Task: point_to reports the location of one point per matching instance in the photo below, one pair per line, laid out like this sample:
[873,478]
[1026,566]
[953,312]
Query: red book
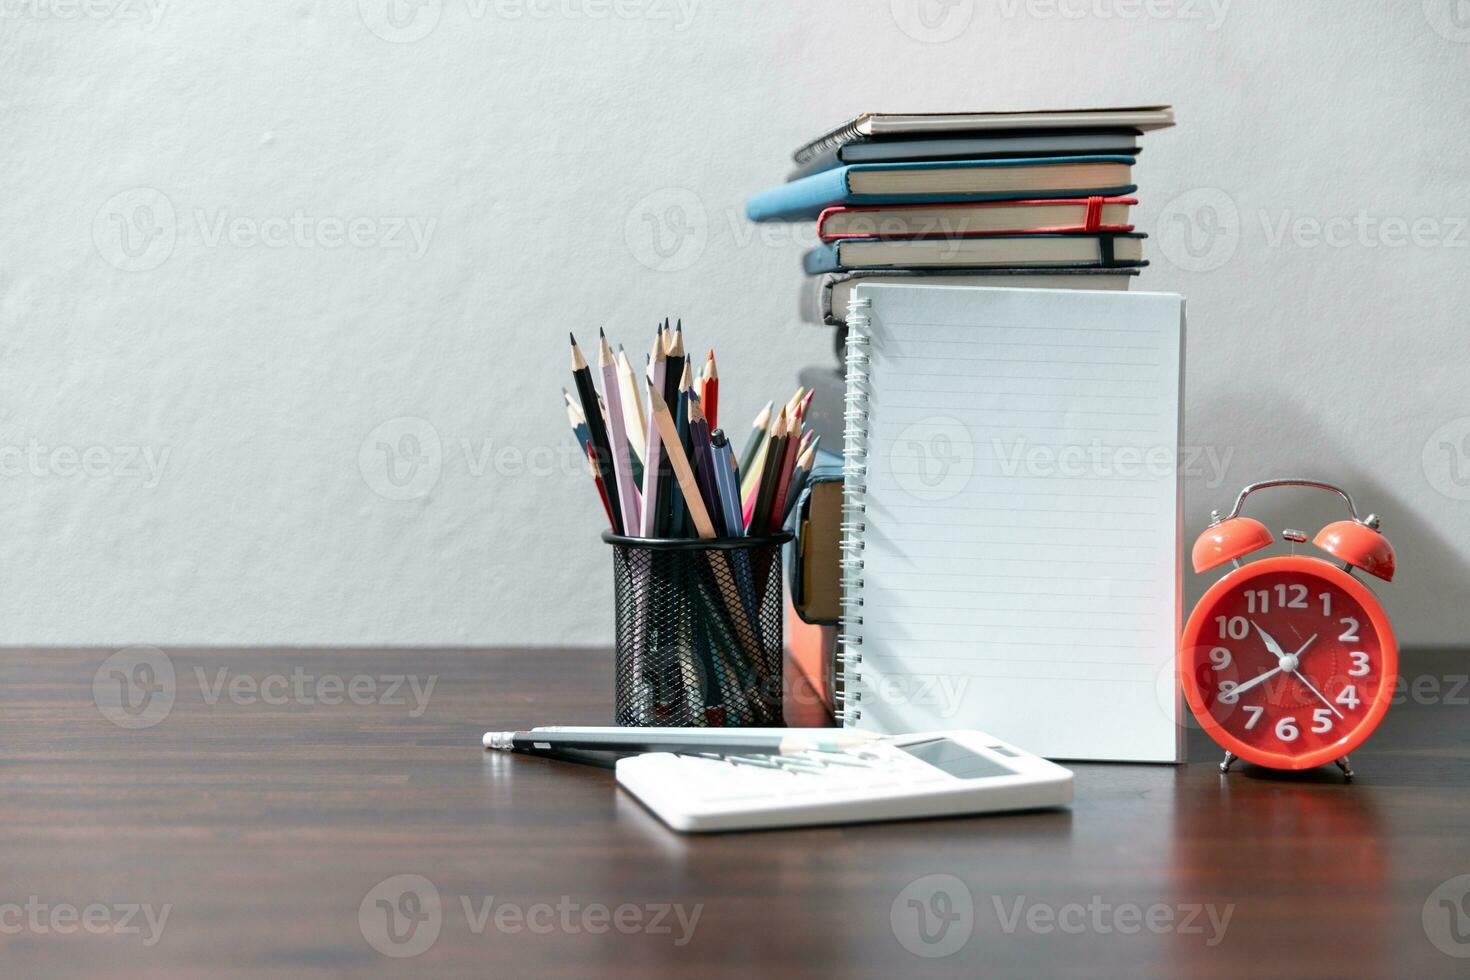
[1078,214]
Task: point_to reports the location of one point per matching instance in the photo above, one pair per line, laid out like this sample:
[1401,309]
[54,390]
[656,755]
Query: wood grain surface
[269,799]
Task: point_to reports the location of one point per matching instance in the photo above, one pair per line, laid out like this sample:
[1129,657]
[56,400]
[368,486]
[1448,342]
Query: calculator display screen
[955,759]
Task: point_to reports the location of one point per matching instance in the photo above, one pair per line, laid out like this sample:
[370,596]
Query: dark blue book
[944,181]
[1088,251]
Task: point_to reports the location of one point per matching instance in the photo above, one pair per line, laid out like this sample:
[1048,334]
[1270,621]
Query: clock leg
[1346,767]
[1227,762]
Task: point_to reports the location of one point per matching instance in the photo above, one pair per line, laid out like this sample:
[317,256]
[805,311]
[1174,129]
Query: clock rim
[1302,564]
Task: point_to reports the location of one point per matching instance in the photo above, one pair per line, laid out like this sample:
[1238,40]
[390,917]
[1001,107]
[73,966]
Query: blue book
[944,181]
[1102,250]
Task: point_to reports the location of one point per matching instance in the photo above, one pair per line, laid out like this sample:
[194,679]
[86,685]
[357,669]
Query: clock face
[1289,662]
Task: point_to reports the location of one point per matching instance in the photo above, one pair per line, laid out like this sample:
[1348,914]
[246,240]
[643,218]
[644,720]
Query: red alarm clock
[1290,662]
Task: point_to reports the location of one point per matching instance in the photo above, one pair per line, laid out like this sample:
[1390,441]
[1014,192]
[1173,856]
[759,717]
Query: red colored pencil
[710,399]
[601,487]
[777,509]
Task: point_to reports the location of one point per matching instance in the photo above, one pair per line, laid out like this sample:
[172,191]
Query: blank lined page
[1021,544]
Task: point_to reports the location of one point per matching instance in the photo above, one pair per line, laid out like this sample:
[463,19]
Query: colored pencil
[752,476]
[597,428]
[757,436]
[618,434]
[709,397]
[601,487]
[578,423]
[750,481]
[679,408]
[683,474]
[654,466]
[798,480]
[632,396]
[669,390]
[727,481]
[784,473]
[704,465]
[758,499]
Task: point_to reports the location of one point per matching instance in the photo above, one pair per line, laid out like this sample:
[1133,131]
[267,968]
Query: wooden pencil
[783,482]
[654,466]
[618,434]
[803,472]
[669,392]
[597,428]
[704,465]
[683,474]
[679,408]
[760,507]
[632,395]
[757,435]
[601,488]
[709,397]
[577,422]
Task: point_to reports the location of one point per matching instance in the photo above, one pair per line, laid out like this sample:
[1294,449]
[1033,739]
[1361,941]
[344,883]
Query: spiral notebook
[1011,518]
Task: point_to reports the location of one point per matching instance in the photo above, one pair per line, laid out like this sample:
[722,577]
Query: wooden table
[266,829]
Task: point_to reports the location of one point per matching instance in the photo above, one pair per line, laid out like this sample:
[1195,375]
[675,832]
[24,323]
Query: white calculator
[933,774]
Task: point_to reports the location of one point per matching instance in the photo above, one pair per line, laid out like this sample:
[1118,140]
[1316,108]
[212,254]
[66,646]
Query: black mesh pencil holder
[699,630]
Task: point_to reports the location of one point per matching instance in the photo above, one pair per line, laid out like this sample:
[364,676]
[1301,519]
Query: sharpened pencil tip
[574,338]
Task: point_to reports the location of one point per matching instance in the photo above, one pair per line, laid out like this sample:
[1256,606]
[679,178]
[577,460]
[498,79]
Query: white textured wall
[190,425]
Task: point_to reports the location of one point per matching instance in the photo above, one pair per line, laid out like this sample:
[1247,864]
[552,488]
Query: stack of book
[1025,199]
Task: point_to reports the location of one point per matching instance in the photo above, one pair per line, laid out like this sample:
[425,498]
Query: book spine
[846,693]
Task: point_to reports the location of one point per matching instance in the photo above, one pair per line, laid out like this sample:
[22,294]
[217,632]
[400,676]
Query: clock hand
[1256,680]
[1271,644]
[1329,704]
[1295,657]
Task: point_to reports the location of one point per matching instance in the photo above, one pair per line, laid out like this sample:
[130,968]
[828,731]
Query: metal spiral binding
[848,674]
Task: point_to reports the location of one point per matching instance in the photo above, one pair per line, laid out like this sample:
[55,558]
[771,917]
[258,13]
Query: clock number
[1233,627]
[1227,692]
[1286,729]
[1326,598]
[1298,598]
[1255,711]
[1322,720]
[1220,657]
[1360,663]
[1348,697]
[1349,635]
[1257,601]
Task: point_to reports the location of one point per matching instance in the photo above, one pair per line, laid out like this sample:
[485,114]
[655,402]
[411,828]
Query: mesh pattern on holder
[699,623]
